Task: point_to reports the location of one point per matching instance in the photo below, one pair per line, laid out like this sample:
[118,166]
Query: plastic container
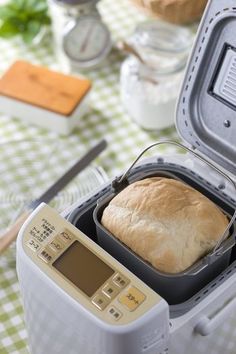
[43,97]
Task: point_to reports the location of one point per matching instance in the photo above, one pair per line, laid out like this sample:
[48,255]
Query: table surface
[24,149]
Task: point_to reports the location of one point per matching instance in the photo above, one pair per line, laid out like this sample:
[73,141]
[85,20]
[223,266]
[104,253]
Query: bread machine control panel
[84,270]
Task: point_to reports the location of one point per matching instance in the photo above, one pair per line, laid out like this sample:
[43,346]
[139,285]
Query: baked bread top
[166,222]
[175,11]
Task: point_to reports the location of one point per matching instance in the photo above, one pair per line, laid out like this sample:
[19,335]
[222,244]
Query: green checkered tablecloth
[31,157]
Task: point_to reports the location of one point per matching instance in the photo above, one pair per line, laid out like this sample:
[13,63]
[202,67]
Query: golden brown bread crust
[166,222]
[174,11]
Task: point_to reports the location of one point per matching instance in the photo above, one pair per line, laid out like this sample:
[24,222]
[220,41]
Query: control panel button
[35,246]
[114,313]
[132,298]
[66,237]
[56,245]
[45,255]
[100,301]
[42,231]
[110,290]
[120,280]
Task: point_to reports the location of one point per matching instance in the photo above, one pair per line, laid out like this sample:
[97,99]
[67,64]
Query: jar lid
[162,46]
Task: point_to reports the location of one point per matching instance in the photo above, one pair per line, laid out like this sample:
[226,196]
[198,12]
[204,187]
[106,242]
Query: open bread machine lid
[206,111]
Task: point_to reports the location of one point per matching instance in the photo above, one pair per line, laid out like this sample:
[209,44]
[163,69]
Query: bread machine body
[205,118]
[205,321]
[78,299]
[59,321]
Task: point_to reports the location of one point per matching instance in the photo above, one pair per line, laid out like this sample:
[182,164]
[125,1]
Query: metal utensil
[128,48]
[10,235]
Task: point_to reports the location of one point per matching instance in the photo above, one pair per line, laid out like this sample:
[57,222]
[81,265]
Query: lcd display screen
[83,268]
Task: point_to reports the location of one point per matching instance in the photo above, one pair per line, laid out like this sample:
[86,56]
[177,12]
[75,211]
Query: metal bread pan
[175,288]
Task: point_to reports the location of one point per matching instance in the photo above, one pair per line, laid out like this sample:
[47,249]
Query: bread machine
[78,298]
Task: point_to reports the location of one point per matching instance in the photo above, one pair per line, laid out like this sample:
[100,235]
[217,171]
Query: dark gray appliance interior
[82,218]
[206,111]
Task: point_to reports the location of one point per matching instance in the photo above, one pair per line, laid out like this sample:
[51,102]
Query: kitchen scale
[82,296]
[80,35]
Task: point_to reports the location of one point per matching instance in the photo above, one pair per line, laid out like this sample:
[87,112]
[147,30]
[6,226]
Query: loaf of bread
[166,222]
[174,11]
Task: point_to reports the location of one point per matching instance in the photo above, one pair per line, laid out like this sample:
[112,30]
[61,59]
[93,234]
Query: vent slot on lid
[223,85]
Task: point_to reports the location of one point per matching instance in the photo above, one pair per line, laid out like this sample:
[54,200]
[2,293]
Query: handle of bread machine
[122,181]
[208,325]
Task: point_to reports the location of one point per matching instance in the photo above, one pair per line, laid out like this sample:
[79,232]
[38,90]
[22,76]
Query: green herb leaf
[8,29]
[23,17]
[6,13]
[33,28]
[27,37]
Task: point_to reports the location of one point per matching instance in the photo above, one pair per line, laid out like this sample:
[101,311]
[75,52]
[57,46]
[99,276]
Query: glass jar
[150,86]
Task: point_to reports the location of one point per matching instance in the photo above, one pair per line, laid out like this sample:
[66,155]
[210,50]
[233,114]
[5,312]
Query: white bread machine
[81,296]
